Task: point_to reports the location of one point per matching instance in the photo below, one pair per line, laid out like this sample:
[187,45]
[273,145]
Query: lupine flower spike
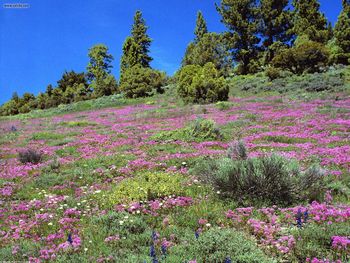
[69,239]
[152,252]
[299,219]
[196,234]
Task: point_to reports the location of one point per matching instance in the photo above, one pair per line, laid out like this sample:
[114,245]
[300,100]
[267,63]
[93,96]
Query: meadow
[125,182]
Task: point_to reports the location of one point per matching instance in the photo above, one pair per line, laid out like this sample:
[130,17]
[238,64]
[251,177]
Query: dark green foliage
[30,156]
[140,82]
[308,20]
[136,47]
[330,81]
[201,84]
[241,18]
[267,180]
[142,40]
[99,71]
[210,48]
[201,27]
[215,245]
[272,73]
[305,56]
[199,130]
[276,22]
[342,35]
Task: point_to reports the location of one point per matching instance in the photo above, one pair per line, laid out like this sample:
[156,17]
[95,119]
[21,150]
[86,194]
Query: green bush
[143,187]
[199,130]
[198,84]
[272,73]
[217,245]
[265,180]
[305,56]
[140,82]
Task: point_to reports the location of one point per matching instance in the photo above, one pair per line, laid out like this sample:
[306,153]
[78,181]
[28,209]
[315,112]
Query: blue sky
[39,43]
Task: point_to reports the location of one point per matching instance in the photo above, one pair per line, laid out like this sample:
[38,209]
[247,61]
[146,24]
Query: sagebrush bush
[198,84]
[268,179]
[141,82]
[30,156]
[237,151]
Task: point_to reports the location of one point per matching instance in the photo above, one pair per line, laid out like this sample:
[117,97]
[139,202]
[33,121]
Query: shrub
[217,245]
[204,129]
[201,84]
[199,130]
[224,105]
[237,150]
[140,82]
[269,179]
[305,56]
[148,186]
[272,73]
[30,156]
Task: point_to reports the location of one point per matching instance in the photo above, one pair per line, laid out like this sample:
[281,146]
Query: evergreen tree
[69,79]
[210,48]
[49,90]
[99,71]
[241,18]
[342,34]
[142,40]
[201,27]
[275,25]
[130,55]
[136,47]
[309,21]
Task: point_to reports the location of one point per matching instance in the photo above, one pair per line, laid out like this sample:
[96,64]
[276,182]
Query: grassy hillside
[149,180]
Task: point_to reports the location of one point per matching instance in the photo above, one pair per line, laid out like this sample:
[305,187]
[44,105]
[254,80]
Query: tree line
[261,35]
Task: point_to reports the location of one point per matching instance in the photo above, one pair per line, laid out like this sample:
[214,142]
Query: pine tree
[99,70]
[309,21]
[130,55]
[275,25]
[136,47]
[342,34]
[201,27]
[241,18]
[142,40]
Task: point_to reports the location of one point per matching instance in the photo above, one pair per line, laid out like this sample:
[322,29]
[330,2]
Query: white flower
[208,225]
[85,249]
[50,224]
[121,222]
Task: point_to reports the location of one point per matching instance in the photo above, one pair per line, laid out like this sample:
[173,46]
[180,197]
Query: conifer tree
[342,33]
[201,27]
[275,25]
[136,47]
[142,40]
[309,21]
[99,71]
[241,18]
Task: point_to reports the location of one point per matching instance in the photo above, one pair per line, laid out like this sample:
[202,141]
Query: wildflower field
[126,184]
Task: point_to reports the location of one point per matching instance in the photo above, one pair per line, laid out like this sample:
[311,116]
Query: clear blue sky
[38,43]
